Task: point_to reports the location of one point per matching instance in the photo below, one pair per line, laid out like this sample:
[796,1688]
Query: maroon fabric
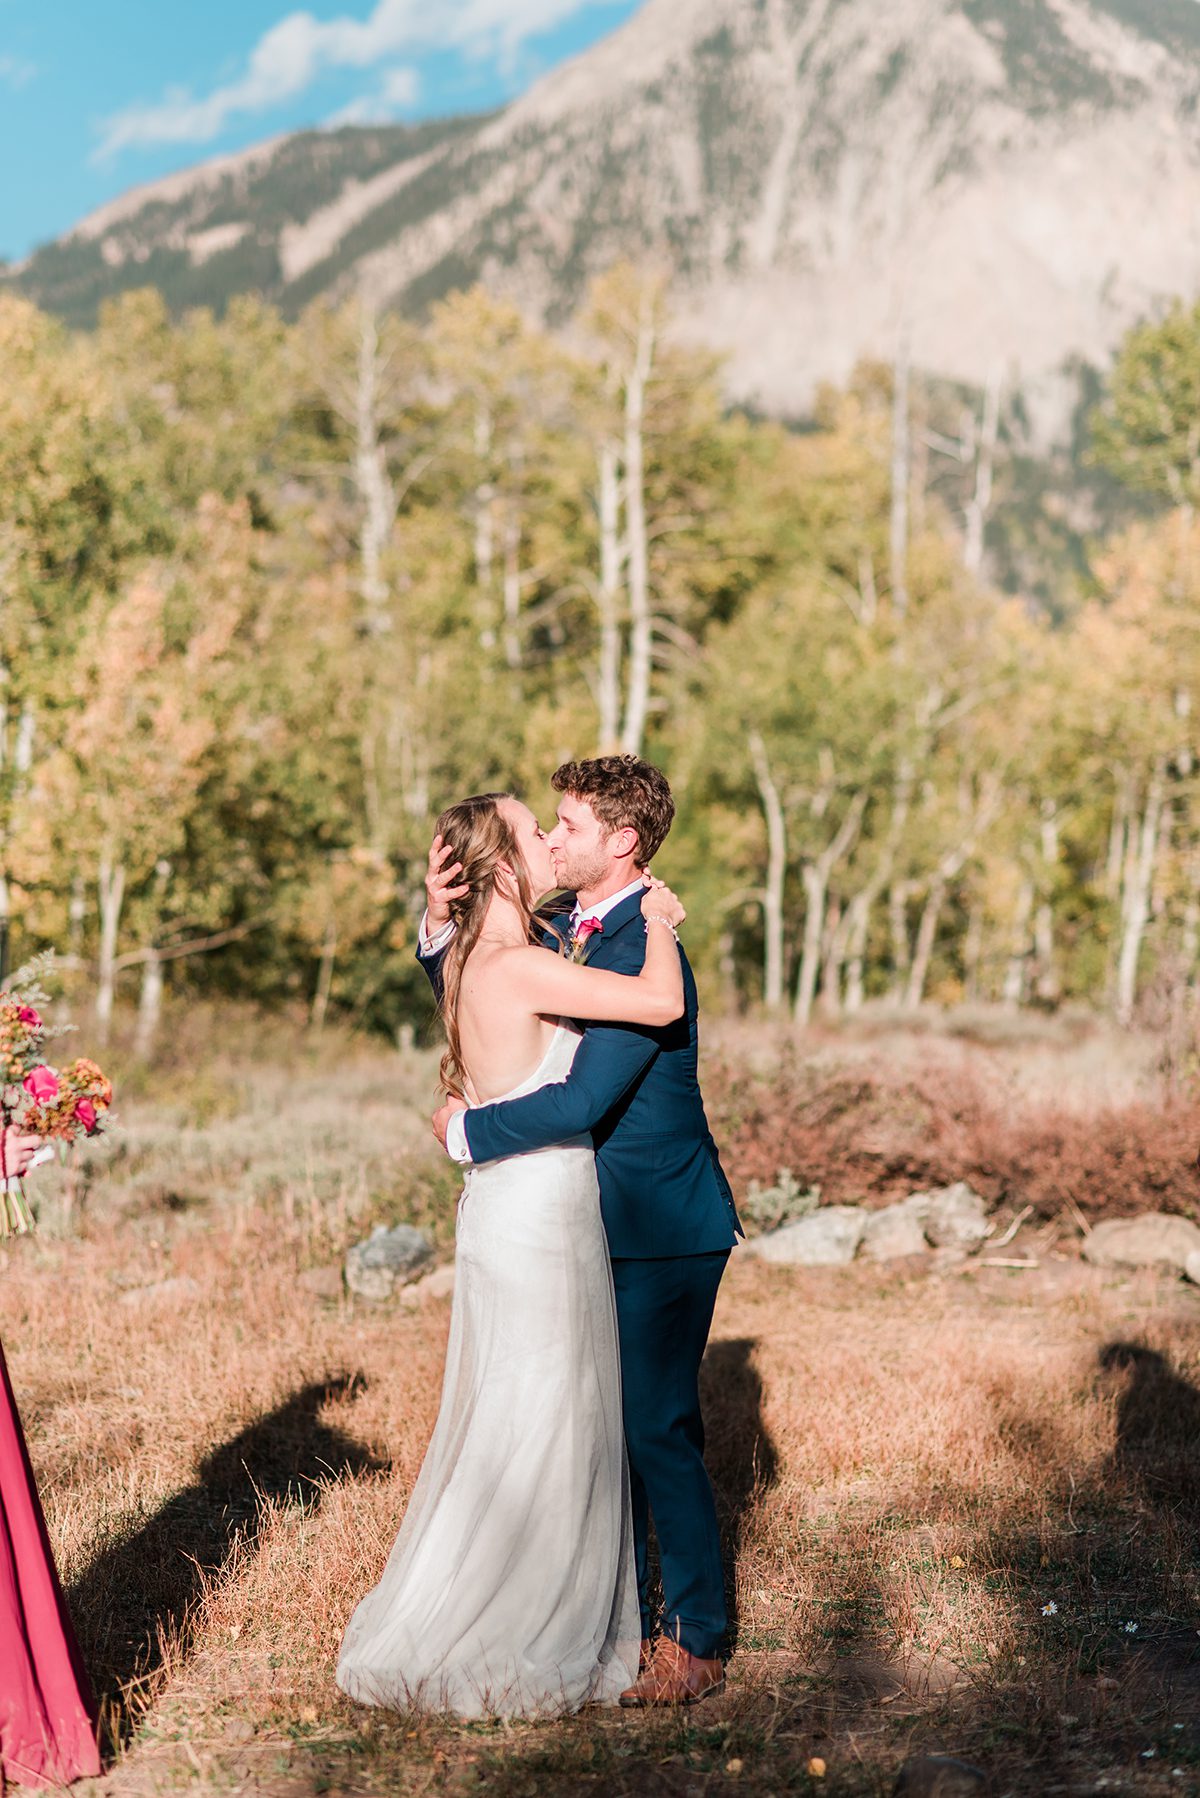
[47,1713]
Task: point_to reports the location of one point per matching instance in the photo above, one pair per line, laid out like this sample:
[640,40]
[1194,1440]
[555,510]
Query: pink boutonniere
[588,928]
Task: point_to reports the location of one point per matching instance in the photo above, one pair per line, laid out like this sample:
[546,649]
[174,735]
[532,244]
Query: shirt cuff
[432,944]
[456,1138]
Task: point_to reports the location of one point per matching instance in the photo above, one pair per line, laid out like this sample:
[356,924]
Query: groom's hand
[439,885]
[441,1119]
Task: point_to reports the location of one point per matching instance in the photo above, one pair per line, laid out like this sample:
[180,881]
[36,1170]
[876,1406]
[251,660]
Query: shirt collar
[602,907]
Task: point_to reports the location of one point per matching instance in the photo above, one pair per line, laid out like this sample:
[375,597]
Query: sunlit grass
[913,1469]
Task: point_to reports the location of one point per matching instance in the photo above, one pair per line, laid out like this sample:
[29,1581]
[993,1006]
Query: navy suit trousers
[664,1308]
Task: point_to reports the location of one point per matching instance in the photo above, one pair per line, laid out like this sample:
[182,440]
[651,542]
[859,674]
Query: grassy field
[961,1503]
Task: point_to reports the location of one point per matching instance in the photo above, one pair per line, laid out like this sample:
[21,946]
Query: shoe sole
[629,1703]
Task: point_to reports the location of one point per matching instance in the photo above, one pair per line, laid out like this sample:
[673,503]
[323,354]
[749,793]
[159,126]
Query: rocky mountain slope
[1007,182]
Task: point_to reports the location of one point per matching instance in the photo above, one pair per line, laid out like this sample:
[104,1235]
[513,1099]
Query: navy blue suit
[671,1222]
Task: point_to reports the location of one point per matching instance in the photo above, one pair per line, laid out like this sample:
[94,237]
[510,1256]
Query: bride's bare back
[512,996]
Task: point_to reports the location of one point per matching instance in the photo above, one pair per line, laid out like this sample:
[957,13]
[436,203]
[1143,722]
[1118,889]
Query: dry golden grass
[911,1465]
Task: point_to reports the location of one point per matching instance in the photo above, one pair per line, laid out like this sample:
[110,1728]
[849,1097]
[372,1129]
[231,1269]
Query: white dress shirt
[430,944]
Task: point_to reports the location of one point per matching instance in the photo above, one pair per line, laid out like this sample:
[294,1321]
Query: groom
[666,1204]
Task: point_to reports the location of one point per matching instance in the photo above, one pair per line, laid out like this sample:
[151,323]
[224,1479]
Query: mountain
[1010,183]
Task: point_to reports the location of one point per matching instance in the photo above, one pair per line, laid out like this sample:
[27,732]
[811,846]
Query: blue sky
[99,97]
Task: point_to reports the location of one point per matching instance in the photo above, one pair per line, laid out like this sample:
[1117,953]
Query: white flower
[1130,1628]
[1050,1610]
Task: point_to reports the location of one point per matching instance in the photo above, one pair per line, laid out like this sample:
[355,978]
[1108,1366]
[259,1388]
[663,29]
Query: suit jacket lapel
[621,916]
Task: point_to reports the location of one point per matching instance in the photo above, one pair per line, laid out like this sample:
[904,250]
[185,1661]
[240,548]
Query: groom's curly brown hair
[625,793]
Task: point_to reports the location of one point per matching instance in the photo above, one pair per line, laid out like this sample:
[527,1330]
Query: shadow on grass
[141,1591]
[739,1453]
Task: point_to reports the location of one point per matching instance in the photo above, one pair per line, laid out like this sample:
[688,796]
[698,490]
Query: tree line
[272,594]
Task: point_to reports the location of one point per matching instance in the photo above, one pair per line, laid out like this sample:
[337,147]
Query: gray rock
[828,1237]
[436,1285]
[957,1217]
[1156,1239]
[386,1260]
[939,1776]
[897,1230]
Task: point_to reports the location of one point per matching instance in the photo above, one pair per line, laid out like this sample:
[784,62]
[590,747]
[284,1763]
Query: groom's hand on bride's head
[440,889]
[441,1117]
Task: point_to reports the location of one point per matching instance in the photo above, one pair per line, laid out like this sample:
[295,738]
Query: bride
[511,1588]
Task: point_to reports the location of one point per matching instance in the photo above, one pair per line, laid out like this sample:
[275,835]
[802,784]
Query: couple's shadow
[739,1453]
[140,1593]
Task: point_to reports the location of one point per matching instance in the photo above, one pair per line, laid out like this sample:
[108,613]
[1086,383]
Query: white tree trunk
[899,894]
[852,941]
[1018,949]
[376,496]
[1047,981]
[816,874]
[320,1003]
[609,597]
[816,883]
[776,870]
[76,914]
[833,953]
[900,477]
[111,882]
[972,951]
[1141,856]
[918,972]
[512,587]
[637,548]
[484,494]
[980,502]
[986,804]
[149,1005]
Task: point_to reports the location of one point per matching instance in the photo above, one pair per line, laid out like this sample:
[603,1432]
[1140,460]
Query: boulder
[436,1285]
[897,1230]
[828,1237]
[1191,1267]
[1156,1239]
[939,1776]
[957,1217]
[386,1260]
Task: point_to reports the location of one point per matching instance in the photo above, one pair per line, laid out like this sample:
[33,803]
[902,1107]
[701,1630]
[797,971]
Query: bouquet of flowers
[60,1104]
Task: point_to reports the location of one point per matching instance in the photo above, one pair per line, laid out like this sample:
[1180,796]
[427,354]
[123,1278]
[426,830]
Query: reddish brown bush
[870,1136]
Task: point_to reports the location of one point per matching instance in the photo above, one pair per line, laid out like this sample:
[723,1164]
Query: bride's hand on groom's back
[659,901]
[442,1116]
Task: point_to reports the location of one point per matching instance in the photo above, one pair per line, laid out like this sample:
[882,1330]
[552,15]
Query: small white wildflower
[1130,1628]
[1147,1754]
[1050,1610]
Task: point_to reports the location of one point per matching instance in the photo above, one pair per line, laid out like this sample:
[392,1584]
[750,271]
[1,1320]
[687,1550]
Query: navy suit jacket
[635,1091]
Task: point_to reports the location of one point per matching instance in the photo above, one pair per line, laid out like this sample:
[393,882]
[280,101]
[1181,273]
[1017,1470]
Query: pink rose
[29,1016]
[42,1084]
[85,1111]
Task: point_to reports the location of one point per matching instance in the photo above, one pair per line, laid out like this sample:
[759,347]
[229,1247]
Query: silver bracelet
[656,917]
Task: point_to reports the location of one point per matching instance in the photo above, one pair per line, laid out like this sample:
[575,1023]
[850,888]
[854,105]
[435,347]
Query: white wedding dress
[510,1590]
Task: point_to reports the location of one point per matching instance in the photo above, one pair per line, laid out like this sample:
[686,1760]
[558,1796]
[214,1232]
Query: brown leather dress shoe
[673,1676]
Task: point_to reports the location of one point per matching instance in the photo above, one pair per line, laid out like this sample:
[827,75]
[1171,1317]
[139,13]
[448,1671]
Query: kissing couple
[593,1229]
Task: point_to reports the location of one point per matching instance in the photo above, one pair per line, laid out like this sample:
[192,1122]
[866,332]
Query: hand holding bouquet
[55,1104]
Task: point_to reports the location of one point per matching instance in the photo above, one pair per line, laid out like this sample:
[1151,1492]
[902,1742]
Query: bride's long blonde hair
[483,840]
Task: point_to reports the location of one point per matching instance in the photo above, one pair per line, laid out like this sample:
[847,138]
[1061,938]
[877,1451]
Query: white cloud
[15,72]
[291,55]
[397,90]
